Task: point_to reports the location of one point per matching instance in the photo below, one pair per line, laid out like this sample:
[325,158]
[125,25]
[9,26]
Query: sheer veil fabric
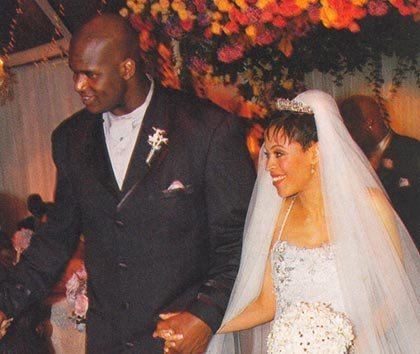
[380,287]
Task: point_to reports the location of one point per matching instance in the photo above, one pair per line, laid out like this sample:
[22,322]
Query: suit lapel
[98,159]
[156,116]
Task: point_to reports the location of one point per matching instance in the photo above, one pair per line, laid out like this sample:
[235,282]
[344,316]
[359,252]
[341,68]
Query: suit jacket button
[129,345]
[122,265]
[119,223]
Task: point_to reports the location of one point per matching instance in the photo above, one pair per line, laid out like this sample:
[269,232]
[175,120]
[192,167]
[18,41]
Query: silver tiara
[284,104]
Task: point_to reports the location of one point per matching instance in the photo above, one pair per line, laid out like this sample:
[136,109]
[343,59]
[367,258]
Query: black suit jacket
[148,249]
[399,172]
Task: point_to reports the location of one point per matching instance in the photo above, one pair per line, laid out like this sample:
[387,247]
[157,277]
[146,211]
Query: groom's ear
[127,69]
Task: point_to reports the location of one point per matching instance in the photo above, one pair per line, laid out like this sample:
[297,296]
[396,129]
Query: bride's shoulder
[279,220]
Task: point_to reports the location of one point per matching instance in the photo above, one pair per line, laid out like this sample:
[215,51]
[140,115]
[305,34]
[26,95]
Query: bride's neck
[311,201]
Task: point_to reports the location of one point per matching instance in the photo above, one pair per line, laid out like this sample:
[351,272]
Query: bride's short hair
[296,127]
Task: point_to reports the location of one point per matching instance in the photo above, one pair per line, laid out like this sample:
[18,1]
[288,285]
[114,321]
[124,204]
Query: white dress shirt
[121,134]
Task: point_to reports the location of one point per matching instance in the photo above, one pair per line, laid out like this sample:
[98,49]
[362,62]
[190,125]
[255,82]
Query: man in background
[395,158]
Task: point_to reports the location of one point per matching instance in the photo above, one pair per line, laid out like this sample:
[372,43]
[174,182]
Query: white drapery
[403,107]
[44,96]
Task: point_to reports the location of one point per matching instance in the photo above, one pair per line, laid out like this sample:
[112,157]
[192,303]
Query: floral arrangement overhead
[264,47]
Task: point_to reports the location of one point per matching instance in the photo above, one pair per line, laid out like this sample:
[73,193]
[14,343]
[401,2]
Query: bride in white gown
[325,257]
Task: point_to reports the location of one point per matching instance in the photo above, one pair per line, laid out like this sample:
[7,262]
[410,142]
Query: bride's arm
[261,310]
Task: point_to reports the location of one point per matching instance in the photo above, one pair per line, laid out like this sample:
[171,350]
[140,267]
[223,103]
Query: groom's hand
[195,332]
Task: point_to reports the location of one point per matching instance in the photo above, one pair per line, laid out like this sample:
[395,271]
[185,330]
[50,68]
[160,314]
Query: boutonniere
[156,141]
[404,182]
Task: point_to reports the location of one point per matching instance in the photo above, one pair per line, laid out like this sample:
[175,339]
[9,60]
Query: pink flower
[377,8]
[253,15]
[200,5]
[230,53]
[81,273]
[72,288]
[22,239]
[81,305]
[76,292]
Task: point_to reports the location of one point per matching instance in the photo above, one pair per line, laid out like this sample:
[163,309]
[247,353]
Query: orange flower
[251,31]
[164,51]
[261,4]
[304,4]
[288,85]
[242,4]
[146,41]
[164,4]
[217,16]
[340,14]
[286,46]
[223,5]
[359,3]
[216,28]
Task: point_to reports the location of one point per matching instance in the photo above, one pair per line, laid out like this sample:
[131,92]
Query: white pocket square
[176,185]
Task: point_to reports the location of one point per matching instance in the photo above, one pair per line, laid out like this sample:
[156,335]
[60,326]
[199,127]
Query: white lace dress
[302,274]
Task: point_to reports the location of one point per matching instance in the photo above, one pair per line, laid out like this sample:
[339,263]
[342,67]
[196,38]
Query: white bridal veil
[379,278]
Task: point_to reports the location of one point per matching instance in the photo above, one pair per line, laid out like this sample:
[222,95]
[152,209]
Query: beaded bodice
[304,274]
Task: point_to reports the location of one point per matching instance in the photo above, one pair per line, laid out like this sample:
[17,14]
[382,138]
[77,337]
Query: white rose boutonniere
[156,141]
[404,182]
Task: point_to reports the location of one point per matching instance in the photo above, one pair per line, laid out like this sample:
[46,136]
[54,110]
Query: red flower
[232,27]
[208,33]
[279,22]
[403,8]
[187,25]
[266,16]
[238,16]
[313,13]
[139,24]
[288,8]
[230,53]
[265,37]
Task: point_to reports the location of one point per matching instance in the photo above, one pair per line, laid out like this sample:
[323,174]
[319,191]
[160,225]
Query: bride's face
[289,164]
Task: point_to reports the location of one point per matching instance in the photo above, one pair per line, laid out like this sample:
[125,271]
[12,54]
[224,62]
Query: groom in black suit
[158,183]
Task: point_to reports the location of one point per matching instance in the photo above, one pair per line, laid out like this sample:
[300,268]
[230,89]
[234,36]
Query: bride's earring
[312,169]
